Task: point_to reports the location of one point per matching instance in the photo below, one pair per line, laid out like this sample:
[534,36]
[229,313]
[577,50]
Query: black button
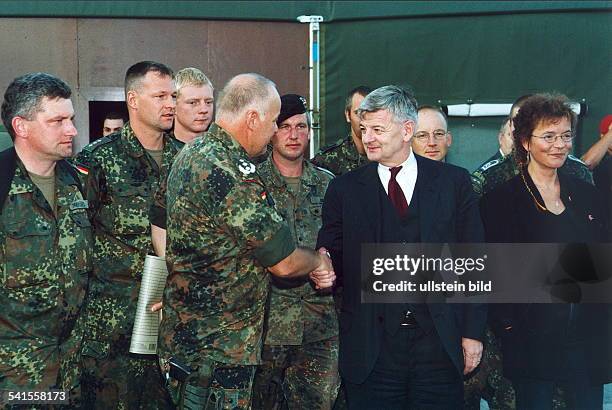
[381,319]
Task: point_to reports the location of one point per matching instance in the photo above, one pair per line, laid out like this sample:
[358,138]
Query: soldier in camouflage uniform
[300,356]
[223,231]
[194,111]
[348,154]
[45,241]
[123,173]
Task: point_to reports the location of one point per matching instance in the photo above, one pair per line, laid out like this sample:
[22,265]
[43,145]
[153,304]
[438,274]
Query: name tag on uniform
[79,204]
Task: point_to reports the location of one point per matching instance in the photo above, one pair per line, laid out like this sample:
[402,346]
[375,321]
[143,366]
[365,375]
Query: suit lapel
[429,196]
[368,186]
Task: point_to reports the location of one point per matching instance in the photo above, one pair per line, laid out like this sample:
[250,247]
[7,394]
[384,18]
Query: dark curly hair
[538,109]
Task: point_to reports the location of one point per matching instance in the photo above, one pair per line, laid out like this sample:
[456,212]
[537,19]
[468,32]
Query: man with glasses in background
[432,138]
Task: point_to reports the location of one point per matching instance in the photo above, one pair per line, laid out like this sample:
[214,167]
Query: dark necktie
[396,194]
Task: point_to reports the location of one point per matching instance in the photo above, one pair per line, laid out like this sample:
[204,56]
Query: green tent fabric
[331,11]
[5,140]
[485,59]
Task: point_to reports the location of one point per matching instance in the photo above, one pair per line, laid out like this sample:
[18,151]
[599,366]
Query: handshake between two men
[322,276]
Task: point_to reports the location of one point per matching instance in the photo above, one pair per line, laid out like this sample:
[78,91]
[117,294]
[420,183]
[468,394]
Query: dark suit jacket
[535,345]
[448,211]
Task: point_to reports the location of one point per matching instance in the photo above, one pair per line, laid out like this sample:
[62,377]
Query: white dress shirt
[406,177]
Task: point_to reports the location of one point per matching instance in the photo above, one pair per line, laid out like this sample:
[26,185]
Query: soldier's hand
[323,276]
[157,307]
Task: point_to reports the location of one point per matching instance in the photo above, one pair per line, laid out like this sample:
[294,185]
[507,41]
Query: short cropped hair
[399,101]
[361,90]
[135,74]
[244,91]
[24,96]
[191,77]
[536,110]
[114,115]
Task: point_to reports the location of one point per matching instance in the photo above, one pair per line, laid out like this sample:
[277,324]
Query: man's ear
[347,115]
[132,99]
[408,127]
[449,138]
[252,118]
[20,127]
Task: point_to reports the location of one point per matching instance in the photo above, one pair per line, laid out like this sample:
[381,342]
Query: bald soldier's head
[248,108]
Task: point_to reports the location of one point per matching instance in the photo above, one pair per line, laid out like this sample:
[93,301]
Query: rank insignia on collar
[246,167]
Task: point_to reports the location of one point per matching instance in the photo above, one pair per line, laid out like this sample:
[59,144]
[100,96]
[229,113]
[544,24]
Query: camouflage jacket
[223,230]
[120,184]
[498,171]
[340,158]
[45,262]
[157,213]
[298,315]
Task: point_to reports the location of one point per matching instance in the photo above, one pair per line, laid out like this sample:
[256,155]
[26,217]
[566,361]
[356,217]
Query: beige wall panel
[277,50]
[107,47]
[93,54]
[38,44]
[220,48]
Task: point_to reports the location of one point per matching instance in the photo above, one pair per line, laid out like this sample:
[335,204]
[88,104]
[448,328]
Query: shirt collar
[133,145]
[408,166]
[274,176]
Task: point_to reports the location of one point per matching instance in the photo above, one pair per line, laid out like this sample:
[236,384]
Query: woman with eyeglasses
[549,345]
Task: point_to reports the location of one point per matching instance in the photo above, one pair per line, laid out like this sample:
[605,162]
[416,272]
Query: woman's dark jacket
[536,346]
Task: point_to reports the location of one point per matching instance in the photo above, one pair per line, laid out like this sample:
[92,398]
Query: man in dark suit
[400,356]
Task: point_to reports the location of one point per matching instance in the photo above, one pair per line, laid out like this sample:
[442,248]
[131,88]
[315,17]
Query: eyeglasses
[299,128]
[551,138]
[423,136]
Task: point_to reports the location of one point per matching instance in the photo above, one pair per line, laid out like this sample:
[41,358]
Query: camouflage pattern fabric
[120,184]
[301,325]
[489,382]
[297,377]
[45,262]
[215,387]
[158,207]
[298,313]
[340,158]
[498,171]
[223,231]
[123,381]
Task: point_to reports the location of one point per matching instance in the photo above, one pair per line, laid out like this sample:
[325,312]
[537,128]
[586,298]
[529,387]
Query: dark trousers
[538,395]
[579,392]
[413,371]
